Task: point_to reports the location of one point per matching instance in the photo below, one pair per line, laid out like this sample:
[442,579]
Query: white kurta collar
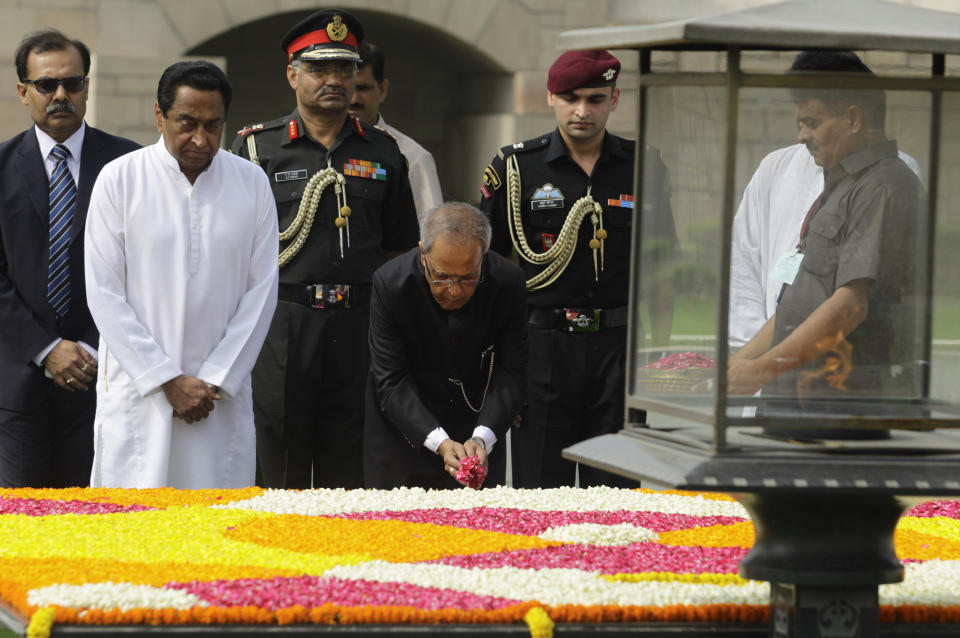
[168,160]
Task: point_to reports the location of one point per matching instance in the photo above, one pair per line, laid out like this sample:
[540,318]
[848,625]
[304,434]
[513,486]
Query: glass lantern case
[794,330]
[810,262]
[794,334]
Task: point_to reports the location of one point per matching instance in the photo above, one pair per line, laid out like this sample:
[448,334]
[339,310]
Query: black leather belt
[578,319]
[326,296]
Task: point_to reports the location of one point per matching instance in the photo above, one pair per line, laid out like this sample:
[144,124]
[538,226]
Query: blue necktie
[63,204]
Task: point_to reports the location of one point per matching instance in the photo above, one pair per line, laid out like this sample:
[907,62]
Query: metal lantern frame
[862,25]
[824,517]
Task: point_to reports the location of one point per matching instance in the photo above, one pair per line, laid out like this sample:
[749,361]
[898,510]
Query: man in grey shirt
[847,304]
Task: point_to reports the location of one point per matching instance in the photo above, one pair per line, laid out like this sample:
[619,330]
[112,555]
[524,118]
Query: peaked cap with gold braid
[331,34]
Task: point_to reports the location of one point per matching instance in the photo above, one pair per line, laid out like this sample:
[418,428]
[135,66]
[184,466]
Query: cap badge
[607,75]
[337,30]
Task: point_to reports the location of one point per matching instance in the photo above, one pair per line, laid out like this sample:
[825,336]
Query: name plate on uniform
[546,197]
[541,204]
[289,176]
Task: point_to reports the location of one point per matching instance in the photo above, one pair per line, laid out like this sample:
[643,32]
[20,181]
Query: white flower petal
[596,534]
[933,582]
[607,499]
[555,586]
[122,596]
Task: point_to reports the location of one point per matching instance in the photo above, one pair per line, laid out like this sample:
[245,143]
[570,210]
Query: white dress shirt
[422,170]
[74,144]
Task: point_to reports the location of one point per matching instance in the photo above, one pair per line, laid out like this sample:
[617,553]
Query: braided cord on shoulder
[310,201]
[252,150]
[558,257]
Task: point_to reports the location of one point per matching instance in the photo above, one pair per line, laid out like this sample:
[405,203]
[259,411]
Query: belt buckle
[327,296]
[582,320]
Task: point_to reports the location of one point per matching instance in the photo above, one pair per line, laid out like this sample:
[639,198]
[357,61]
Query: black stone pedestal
[827,612]
[824,555]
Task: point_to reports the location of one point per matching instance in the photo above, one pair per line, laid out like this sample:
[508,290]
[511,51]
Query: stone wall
[462,117]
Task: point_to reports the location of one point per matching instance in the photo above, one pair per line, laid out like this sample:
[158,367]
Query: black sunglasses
[45,86]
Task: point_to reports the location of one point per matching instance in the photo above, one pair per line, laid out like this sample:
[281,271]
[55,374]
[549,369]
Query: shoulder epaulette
[526,145]
[385,132]
[377,129]
[262,126]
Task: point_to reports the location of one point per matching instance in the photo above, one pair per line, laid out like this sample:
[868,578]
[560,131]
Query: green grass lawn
[946,318]
[693,316]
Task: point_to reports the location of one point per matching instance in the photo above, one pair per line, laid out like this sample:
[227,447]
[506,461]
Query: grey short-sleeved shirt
[870,226]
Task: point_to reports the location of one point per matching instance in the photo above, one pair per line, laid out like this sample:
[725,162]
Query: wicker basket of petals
[676,373]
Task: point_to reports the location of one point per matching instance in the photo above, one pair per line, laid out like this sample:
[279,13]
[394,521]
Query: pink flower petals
[625,559]
[48,507]
[472,472]
[534,522]
[947,509]
[681,361]
[313,591]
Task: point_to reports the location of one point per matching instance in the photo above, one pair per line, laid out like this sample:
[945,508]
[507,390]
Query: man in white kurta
[182,283]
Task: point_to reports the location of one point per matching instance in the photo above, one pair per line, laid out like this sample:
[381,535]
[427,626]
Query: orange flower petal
[735,535]
[394,541]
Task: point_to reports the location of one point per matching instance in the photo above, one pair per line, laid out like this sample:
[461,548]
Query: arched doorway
[445,93]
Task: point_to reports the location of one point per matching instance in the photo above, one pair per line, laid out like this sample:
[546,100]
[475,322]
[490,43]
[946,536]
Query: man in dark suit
[48,357]
[448,347]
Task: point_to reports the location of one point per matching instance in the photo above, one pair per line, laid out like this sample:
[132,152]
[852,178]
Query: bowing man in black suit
[48,357]
[448,347]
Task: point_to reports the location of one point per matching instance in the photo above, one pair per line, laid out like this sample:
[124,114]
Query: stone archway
[467,76]
[445,93]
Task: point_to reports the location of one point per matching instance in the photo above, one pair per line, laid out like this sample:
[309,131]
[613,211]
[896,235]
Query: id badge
[787,268]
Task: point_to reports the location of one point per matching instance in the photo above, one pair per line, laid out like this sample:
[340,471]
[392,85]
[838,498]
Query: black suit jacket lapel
[34,176]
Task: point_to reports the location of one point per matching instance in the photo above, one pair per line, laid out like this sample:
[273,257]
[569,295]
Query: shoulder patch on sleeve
[491,179]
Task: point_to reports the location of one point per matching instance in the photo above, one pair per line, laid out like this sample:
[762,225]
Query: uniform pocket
[371,189]
[547,219]
[285,192]
[617,217]
[822,245]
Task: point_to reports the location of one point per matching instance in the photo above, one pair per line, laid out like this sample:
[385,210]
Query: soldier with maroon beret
[564,202]
[345,207]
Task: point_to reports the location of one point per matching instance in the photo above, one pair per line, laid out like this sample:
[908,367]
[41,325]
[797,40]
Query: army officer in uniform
[345,207]
[564,201]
